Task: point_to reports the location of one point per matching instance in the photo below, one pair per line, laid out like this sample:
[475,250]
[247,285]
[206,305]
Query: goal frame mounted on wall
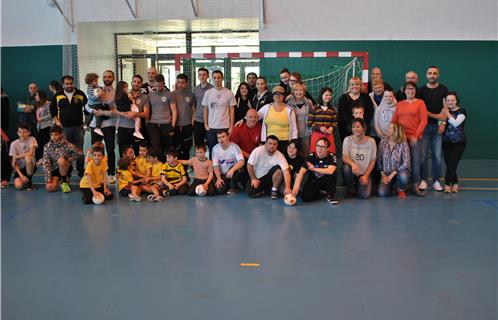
[282,54]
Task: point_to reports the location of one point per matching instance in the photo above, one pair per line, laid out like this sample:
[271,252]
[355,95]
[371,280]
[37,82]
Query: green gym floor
[431,258]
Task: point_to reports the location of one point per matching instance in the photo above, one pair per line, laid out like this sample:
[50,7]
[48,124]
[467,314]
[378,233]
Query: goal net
[317,69]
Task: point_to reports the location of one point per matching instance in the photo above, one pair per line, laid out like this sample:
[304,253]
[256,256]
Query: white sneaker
[437,186]
[138,135]
[98,131]
[112,179]
[422,185]
[134,198]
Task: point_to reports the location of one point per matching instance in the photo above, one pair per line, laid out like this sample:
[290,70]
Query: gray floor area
[431,258]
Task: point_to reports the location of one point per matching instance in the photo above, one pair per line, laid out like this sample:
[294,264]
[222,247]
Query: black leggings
[87,195]
[191,189]
[43,139]
[452,154]
[6,164]
[199,133]
[183,141]
[311,189]
[127,139]
[161,136]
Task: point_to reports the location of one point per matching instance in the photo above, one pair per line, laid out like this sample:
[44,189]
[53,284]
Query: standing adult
[185,104]
[199,91]
[163,117]
[262,96]
[454,141]
[44,121]
[433,94]
[108,125]
[243,101]
[219,109]
[295,78]
[376,73]
[267,167]
[359,152]
[301,106]
[150,85]
[284,81]
[409,76]
[320,169]
[412,115]
[67,109]
[5,112]
[126,122]
[53,87]
[354,97]
[27,114]
[279,120]
[251,78]
[322,119]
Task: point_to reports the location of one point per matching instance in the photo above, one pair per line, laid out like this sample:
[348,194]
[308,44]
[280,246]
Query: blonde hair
[353,80]
[399,133]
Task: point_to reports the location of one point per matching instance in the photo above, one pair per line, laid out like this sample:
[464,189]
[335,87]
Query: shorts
[56,172]
[24,172]
[125,191]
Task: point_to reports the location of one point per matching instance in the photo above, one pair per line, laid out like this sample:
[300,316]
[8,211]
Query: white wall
[380,20]
[33,22]
[30,23]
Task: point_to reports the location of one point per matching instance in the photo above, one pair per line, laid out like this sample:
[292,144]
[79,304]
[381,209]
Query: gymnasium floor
[432,258]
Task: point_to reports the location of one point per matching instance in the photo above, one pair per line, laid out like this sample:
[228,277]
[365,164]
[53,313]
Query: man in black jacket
[67,109]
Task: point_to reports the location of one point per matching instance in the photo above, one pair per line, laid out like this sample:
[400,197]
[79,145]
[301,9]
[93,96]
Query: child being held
[125,102]
[94,93]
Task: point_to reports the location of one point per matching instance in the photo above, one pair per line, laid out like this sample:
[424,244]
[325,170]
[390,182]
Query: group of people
[277,141]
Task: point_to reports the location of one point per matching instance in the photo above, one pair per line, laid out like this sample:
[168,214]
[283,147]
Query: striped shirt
[319,117]
[173,174]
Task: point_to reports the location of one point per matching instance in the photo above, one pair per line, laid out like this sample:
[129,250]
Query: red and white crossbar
[288,54]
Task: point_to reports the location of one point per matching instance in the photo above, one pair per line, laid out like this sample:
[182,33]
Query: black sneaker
[274,194]
[29,186]
[332,200]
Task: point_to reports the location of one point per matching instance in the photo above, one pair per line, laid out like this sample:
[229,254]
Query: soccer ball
[289,199]
[99,198]
[200,191]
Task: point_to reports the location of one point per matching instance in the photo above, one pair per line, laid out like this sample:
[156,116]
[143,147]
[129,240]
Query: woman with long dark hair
[322,119]
[243,101]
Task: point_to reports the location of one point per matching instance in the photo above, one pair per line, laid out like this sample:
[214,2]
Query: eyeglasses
[321,146]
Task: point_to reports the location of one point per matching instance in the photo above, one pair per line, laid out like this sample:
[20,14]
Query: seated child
[173,176]
[94,180]
[203,171]
[127,186]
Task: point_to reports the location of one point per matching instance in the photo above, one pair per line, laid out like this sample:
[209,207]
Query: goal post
[318,69]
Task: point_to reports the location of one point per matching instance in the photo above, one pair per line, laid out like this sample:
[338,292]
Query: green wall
[23,65]
[467,67]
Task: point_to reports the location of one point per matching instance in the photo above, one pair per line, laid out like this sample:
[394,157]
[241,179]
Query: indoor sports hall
[422,252]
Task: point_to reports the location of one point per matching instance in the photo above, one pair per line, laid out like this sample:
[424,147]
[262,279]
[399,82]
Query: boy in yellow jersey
[127,186]
[89,153]
[151,181]
[94,180]
[173,176]
[140,163]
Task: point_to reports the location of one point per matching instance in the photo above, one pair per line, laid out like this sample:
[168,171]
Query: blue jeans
[402,178]
[353,183]
[433,140]
[76,135]
[416,160]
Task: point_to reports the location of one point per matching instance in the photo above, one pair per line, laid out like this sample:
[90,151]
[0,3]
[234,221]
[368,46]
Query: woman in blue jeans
[393,161]
[358,156]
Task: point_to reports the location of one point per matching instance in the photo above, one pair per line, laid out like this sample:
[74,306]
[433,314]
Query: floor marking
[11,216]
[250,264]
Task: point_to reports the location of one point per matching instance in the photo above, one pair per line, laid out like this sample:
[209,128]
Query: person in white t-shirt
[266,167]
[22,151]
[228,163]
[219,109]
